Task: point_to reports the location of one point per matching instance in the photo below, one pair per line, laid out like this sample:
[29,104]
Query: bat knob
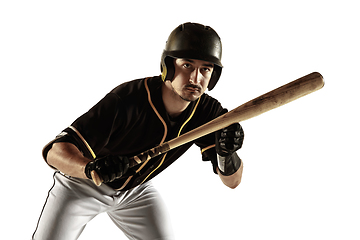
[96,178]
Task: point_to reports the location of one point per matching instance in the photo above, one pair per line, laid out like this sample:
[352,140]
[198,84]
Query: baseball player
[134,117]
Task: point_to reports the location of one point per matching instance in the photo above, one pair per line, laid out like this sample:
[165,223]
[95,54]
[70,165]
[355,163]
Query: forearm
[232,181]
[67,158]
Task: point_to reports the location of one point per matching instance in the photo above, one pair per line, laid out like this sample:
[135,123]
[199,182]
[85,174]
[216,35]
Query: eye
[186,65]
[207,69]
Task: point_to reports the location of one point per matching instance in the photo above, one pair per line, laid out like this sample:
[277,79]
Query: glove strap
[228,165]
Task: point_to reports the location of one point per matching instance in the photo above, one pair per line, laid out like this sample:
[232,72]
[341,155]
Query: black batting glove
[108,168]
[227,141]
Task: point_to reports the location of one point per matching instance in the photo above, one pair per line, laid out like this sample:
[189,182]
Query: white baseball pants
[73,202]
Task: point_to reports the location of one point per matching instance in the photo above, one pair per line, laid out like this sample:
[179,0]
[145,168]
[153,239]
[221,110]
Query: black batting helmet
[193,41]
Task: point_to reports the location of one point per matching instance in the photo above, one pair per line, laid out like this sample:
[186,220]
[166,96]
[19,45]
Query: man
[134,117]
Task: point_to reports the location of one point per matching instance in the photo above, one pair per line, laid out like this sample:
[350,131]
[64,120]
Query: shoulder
[135,87]
[128,88]
[209,103]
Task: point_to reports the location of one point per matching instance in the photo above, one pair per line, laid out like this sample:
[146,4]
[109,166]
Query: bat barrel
[278,97]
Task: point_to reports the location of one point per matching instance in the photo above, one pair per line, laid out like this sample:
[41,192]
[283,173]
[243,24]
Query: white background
[301,176]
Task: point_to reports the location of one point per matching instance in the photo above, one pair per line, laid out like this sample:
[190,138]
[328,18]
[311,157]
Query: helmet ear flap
[167,68]
[214,77]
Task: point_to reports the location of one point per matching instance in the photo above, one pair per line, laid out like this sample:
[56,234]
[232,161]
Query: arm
[233,180]
[72,151]
[67,158]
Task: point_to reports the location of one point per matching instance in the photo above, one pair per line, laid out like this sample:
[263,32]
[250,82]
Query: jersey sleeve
[91,131]
[95,127]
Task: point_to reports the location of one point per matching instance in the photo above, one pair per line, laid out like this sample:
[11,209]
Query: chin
[191,98]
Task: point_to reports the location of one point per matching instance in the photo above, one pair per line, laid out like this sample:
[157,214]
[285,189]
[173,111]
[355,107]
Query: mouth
[193,88]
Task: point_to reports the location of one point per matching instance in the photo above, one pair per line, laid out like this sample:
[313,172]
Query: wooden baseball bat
[266,102]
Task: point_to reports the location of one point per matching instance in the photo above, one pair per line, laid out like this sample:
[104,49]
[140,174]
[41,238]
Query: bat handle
[96,178]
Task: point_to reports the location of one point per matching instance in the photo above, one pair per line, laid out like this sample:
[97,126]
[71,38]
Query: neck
[173,103]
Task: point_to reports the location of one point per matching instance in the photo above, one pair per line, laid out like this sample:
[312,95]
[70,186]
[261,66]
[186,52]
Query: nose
[195,75]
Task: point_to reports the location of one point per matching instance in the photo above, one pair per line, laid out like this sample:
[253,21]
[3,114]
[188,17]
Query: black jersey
[131,119]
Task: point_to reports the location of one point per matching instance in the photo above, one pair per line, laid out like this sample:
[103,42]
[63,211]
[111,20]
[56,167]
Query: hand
[228,140]
[108,168]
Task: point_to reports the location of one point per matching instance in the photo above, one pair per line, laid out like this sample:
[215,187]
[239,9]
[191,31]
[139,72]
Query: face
[191,78]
